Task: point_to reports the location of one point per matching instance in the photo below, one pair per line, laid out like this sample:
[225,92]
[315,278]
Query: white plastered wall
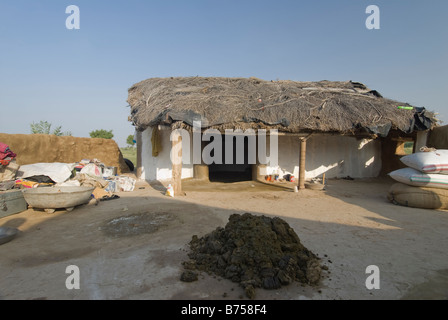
[160,167]
[336,156]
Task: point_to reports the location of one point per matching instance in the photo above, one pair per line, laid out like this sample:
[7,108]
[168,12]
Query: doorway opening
[232,171]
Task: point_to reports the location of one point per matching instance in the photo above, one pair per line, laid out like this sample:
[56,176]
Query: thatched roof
[289,106]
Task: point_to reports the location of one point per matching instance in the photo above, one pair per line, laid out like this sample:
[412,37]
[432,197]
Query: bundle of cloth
[6,155]
[8,166]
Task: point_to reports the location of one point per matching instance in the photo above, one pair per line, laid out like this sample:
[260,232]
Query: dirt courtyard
[133,247]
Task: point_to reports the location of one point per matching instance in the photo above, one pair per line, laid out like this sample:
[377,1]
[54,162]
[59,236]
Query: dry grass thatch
[289,106]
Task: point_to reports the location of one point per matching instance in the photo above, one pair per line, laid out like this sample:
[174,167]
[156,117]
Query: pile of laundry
[6,155]
[89,173]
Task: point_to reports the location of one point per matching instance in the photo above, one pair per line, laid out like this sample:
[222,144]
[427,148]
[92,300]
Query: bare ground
[133,247]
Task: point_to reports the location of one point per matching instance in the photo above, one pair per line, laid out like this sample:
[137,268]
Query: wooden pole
[177,165]
[302,164]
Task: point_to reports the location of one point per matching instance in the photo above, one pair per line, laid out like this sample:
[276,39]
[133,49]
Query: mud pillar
[201,172]
[302,164]
[259,172]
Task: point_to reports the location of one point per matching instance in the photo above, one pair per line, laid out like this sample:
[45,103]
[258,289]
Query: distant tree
[103,134]
[44,127]
[130,140]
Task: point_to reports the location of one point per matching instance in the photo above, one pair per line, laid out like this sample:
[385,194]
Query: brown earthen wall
[41,148]
[438,138]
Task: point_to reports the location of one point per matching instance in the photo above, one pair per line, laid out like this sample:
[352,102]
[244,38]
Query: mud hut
[335,128]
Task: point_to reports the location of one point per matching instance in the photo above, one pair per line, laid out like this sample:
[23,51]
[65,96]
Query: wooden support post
[302,164]
[177,164]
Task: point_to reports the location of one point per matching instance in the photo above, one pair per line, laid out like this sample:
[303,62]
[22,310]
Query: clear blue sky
[79,78]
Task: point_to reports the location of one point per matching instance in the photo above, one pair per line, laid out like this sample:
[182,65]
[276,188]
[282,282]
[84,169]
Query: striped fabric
[436,168]
[416,178]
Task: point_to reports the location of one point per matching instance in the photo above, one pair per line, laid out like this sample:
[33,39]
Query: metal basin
[54,198]
[7,234]
[314,186]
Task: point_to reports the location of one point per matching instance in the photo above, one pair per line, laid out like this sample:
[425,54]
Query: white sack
[428,162]
[416,178]
[92,170]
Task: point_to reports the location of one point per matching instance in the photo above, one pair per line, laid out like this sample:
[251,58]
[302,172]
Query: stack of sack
[424,183]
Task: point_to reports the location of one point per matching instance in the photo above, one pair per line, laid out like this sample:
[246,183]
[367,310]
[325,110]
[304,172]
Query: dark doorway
[231,172]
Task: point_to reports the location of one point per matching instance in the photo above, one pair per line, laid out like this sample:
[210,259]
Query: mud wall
[438,138]
[392,150]
[390,158]
[41,148]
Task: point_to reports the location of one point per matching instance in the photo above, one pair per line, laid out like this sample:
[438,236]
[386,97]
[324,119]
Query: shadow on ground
[133,247]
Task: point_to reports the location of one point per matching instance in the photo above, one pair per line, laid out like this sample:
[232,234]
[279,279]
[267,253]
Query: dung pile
[254,251]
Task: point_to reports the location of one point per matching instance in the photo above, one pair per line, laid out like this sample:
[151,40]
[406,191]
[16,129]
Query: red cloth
[5,152]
